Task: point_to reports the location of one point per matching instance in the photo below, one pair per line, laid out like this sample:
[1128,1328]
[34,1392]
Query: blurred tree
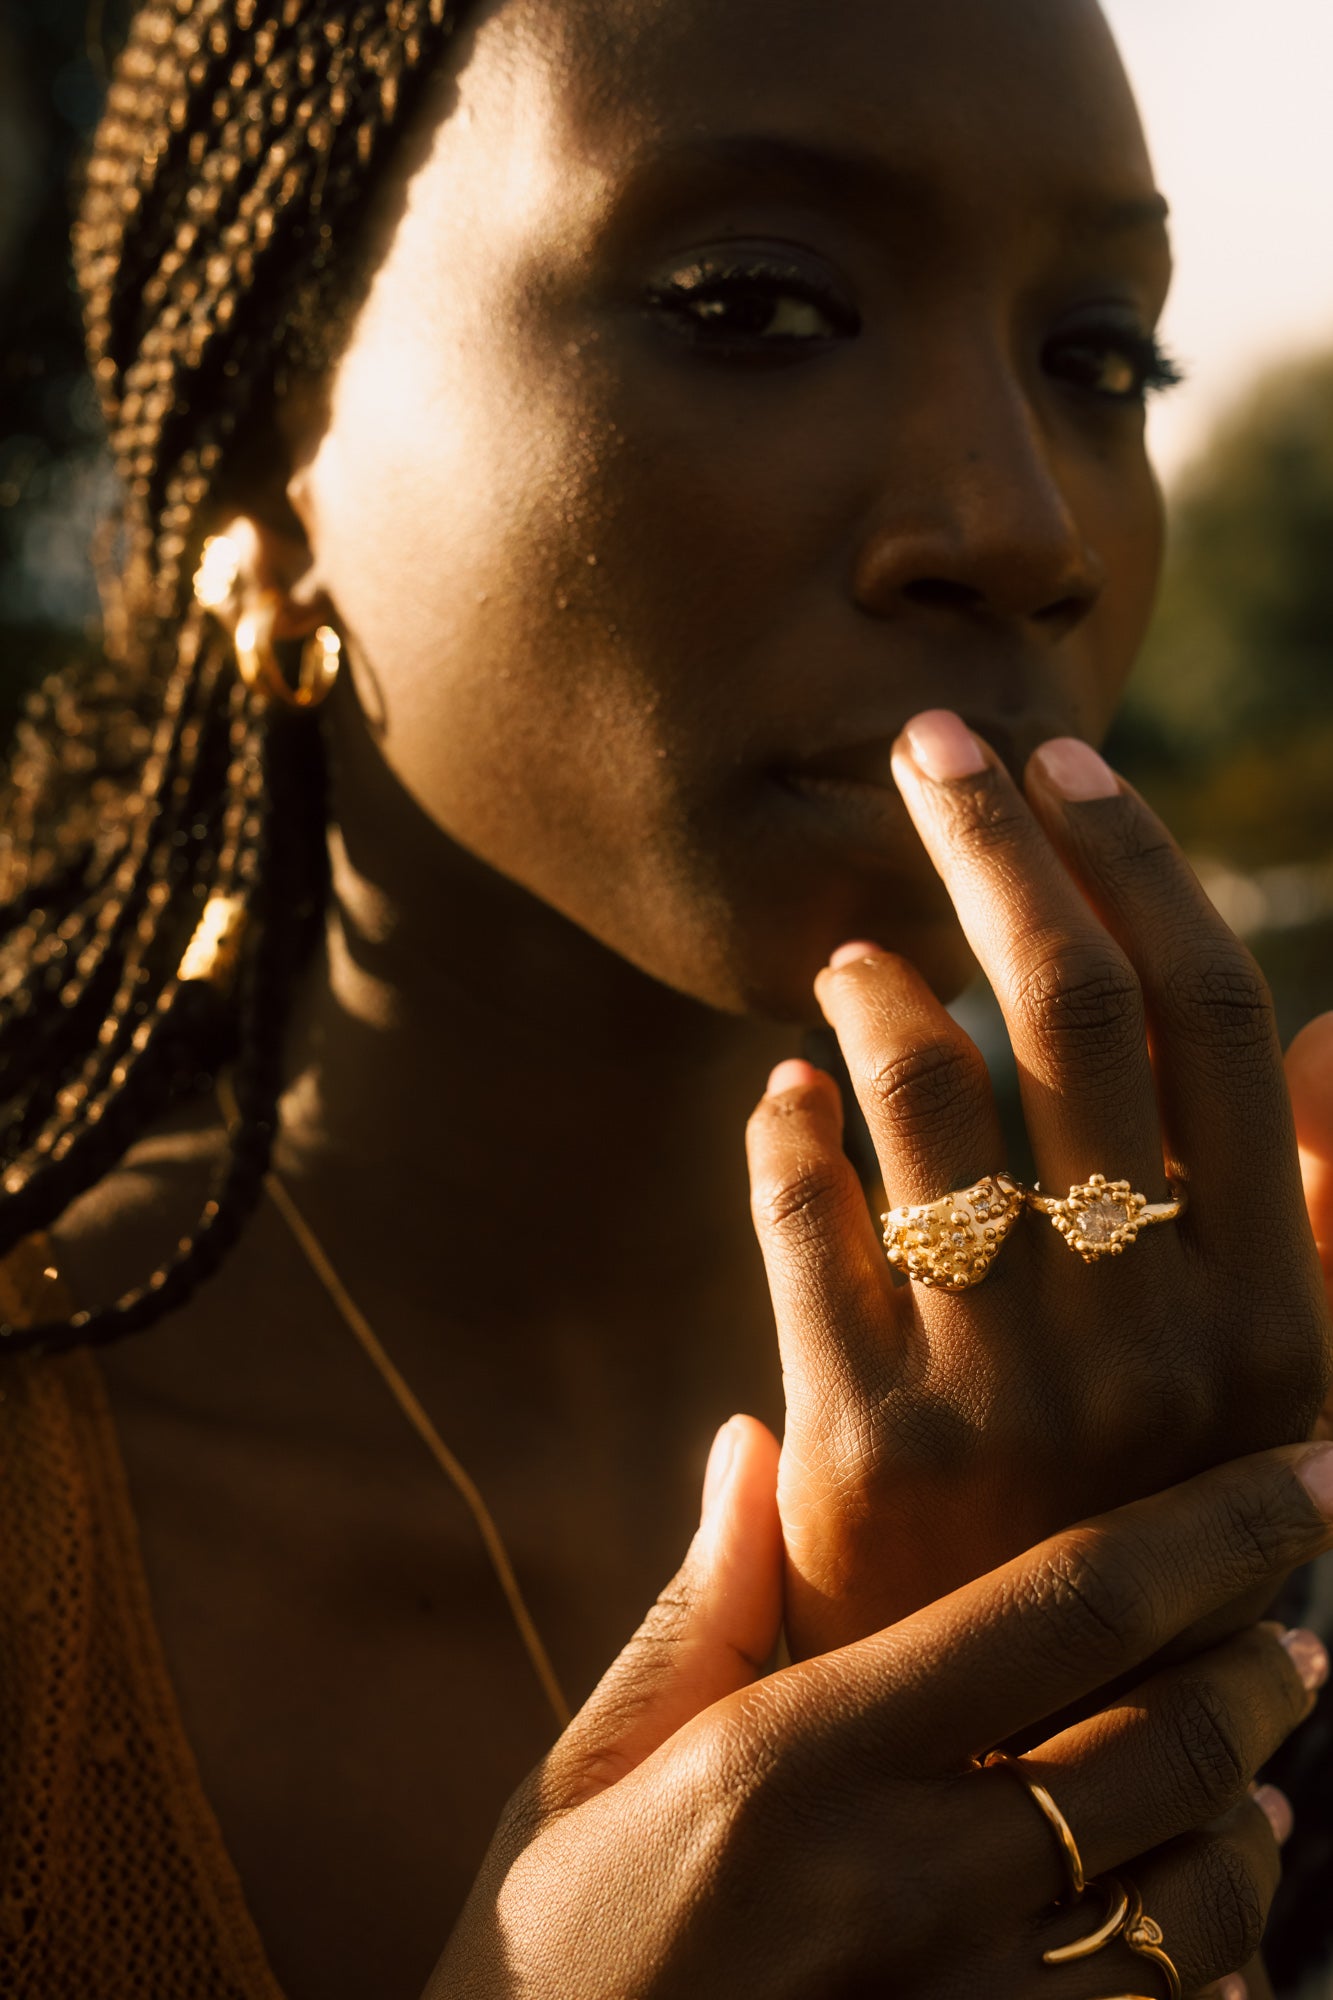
[1229,722]
[53,477]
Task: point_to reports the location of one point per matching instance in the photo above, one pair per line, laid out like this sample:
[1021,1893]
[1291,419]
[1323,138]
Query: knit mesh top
[114,1882]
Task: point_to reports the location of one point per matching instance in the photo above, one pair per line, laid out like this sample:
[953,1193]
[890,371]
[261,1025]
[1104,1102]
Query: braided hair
[227,180]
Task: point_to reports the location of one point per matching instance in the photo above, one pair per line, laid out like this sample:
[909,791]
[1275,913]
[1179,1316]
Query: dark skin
[601,823]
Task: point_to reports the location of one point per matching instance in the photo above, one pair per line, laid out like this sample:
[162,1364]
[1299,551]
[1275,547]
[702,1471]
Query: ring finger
[1204,1900]
[1171,1755]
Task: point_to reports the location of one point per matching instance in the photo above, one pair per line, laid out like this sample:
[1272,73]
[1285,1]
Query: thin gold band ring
[1052,1814]
[1116,1915]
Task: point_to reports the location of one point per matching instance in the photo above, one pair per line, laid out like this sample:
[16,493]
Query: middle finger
[1070,997]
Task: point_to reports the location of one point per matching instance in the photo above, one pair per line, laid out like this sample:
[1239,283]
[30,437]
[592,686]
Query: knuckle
[1259,1531]
[1134,845]
[803,1203]
[1217,992]
[929,1084]
[1092,1598]
[992,820]
[1089,991]
[1206,1755]
[1233,1905]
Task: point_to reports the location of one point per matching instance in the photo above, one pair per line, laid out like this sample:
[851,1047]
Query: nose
[973,518]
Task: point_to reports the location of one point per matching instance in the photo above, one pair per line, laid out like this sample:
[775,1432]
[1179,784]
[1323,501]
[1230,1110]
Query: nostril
[1065,613]
[943,593]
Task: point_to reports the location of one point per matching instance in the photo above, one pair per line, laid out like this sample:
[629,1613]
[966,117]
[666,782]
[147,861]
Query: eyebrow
[806,169]
[771,157]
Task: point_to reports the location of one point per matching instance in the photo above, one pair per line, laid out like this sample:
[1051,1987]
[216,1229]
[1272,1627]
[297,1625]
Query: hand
[930,1435]
[1310,1077]
[701,1832]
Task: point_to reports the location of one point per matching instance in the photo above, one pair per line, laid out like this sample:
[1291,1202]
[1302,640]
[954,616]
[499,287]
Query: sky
[1237,97]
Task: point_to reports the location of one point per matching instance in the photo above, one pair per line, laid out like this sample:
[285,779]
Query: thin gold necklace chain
[409,1403]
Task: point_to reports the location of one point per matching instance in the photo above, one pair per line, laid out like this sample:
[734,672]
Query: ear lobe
[275,561]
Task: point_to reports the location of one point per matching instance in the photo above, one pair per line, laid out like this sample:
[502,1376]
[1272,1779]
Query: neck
[472,1070]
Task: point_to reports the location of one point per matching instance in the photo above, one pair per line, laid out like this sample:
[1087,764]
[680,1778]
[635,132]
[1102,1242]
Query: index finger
[1086,1606]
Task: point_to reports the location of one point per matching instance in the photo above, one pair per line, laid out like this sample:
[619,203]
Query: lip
[869,762]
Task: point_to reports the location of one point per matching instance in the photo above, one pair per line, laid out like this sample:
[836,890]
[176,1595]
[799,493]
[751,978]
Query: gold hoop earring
[258,652]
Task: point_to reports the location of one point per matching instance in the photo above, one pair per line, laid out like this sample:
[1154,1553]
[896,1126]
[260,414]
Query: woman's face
[742,377]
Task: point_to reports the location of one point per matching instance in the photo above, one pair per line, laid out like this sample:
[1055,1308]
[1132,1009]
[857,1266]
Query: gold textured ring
[1052,1814]
[1101,1218]
[952,1243]
[1117,1913]
[1144,1936]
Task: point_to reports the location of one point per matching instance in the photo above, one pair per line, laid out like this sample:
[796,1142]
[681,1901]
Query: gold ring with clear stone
[1144,1936]
[1101,1218]
[952,1243]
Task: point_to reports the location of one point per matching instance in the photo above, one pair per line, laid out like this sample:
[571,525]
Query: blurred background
[1229,728]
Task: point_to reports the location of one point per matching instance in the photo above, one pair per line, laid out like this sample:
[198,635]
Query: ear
[272,561]
[260,515]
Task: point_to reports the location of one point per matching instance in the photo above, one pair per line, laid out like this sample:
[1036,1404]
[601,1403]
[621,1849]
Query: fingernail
[792,1075]
[1233,1988]
[1075,771]
[855,954]
[1276,1809]
[720,1461]
[1309,1658]
[943,747]
[1315,1472]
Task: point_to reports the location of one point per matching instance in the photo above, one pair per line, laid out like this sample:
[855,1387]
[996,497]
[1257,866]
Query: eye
[751,304]
[1118,363]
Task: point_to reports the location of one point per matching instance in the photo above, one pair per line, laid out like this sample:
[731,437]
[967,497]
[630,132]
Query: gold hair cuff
[1101,1218]
[952,1243]
[215,948]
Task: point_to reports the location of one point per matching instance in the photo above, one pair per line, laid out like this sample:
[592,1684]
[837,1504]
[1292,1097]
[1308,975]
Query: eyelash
[694,289]
[1153,369]
[698,296]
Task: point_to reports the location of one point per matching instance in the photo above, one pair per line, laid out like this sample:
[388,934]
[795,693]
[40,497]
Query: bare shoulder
[115,1236]
[251,1333]
[117,1233]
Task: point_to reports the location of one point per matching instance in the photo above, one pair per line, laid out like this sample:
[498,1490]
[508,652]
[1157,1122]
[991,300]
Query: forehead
[1006,97]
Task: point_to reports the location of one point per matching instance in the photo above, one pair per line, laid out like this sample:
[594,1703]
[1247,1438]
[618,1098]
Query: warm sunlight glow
[1235,94]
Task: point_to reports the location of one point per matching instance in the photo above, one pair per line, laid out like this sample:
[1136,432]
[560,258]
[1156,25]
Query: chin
[769,980]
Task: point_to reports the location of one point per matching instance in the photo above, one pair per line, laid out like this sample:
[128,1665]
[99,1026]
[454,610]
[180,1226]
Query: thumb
[708,1634]
[1310,1079]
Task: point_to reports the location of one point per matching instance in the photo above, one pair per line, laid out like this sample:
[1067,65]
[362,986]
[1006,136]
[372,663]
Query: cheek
[455,539]
[1128,532]
[543,546]
[508,555]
